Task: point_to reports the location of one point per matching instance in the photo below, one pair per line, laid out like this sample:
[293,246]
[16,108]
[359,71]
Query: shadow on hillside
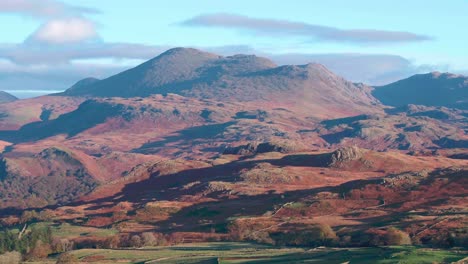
[172,186]
[192,134]
[88,115]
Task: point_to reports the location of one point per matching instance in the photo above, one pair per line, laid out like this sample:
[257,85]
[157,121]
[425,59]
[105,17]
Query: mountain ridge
[430,89]
[6,97]
[238,78]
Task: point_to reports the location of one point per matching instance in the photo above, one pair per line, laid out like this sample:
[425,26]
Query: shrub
[12,257]
[160,239]
[249,229]
[61,245]
[148,239]
[396,237]
[28,216]
[66,258]
[175,238]
[378,237]
[46,215]
[113,242]
[40,251]
[135,241]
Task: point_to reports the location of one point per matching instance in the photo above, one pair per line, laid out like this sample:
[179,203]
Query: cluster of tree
[35,192]
[27,216]
[33,244]
[38,243]
[378,237]
[457,238]
[144,239]
[313,235]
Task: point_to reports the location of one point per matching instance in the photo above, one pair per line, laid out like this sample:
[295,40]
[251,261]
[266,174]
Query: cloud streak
[43,8]
[274,27]
[36,54]
[373,69]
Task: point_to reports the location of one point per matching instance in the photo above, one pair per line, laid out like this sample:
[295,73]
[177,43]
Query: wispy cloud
[275,27]
[21,80]
[373,69]
[64,54]
[43,8]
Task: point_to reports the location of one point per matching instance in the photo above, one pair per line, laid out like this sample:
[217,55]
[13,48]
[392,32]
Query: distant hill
[431,89]
[6,97]
[82,84]
[238,78]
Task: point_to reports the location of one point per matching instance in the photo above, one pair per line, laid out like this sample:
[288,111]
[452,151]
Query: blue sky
[50,44]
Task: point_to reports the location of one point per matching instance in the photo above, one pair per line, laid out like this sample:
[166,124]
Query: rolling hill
[431,89]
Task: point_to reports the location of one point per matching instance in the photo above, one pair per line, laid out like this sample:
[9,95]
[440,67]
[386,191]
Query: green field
[253,253]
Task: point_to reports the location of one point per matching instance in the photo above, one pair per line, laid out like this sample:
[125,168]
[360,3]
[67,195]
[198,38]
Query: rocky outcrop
[257,148]
[346,154]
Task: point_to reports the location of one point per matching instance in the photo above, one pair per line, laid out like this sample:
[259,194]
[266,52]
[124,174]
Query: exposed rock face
[346,154]
[54,153]
[257,148]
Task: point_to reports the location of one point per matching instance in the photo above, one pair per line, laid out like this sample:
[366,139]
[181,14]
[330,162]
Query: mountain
[196,146]
[431,89]
[239,78]
[6,97]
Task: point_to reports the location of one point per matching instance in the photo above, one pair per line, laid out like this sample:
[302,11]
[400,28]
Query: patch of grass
[66,230]
[230,252]
[296,205]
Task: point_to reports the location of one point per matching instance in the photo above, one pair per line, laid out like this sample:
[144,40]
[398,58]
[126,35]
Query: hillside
[431,89]
[6,97]
[196,147]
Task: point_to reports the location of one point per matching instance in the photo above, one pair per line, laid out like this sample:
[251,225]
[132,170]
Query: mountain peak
[250,58]
[189,52]
[444,75]
[6,97]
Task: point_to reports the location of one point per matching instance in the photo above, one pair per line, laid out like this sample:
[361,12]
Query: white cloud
[63,31]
